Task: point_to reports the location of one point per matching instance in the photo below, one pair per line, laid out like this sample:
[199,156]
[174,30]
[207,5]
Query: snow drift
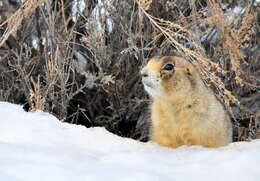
[36,146]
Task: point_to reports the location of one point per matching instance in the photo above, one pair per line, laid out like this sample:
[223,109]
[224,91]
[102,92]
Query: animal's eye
[168,66]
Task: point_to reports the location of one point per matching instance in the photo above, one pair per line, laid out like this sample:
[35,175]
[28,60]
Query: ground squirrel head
[164,76]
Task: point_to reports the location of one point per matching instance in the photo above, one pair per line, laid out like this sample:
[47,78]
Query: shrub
[80,60]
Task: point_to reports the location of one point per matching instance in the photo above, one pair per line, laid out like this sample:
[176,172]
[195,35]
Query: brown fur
[184,111]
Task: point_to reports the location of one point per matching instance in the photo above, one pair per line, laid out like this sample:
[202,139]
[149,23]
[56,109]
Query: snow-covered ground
[38,147]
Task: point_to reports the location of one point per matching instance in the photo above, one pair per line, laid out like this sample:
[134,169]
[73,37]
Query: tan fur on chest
[184,111]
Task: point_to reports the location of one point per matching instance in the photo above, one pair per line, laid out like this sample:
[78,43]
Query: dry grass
[37,101]
[14,22]
[107,91]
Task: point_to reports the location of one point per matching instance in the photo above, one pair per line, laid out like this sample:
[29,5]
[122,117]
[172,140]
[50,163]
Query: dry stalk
[145,3]
[38,93]
[37,100]
[14,22]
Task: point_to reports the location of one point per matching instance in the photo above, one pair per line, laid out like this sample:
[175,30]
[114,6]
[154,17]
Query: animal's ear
[190,73]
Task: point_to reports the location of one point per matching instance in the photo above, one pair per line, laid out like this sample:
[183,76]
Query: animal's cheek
[164,75]
[167,86]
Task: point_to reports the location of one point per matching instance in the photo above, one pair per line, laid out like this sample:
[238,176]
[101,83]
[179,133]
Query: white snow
[21,1]
[100,19]
[35,42]
[234,13]
[109,24]
[36,146]
[238,10]
[257,2]
[90,80]
[78,6]
[82,61]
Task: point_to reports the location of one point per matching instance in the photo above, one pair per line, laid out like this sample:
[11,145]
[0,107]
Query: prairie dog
[184,111]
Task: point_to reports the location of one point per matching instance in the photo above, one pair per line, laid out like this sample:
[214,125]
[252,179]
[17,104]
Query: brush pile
[80,59]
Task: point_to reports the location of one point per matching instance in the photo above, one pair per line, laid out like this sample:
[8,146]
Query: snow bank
[36,146]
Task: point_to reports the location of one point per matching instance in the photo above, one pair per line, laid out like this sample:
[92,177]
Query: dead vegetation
[83,66]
